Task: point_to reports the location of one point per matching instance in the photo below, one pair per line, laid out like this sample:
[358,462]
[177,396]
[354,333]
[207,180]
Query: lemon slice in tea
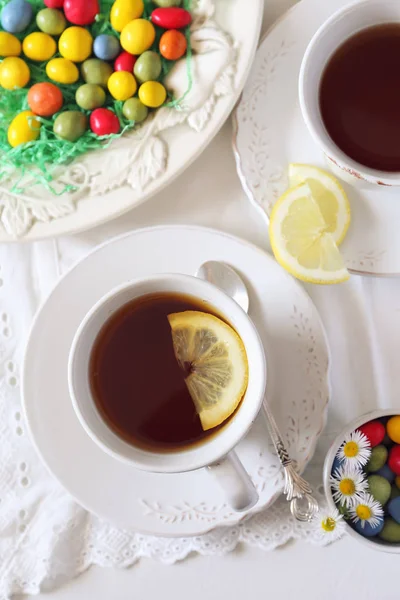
[214,357]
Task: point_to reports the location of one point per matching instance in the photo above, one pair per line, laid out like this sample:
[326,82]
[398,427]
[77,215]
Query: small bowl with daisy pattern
[362,479]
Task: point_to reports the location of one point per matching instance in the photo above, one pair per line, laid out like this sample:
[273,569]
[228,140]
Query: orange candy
[45,99]
[173,44]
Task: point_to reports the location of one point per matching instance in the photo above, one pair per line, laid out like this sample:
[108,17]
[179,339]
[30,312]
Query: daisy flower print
[355,450]
[347,484]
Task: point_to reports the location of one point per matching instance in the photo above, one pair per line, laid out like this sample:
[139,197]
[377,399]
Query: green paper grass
[36,161]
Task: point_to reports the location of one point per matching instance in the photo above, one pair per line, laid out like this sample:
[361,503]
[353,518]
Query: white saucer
[190,503]
[270,134]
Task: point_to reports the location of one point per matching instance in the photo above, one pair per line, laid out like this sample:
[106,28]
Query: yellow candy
[125,11]
[14,73]
[23,128]
[75,44]
[62,70]
[9,44]
[137,36]
[152,94]
[122,85]
[39,46]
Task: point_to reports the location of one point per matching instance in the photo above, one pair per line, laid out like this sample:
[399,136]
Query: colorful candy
[24,128]
[367,530]
[45,99]
[62,70]
[148,67]
[104,122]
[81,12]
[96,71]
[374,431]
[75,44]
[377,459]
[106,47]
[14,73]
[39,46]
[167,3]
[125,62]
[380,488]
[70,125]
[394,459]
[16,16]
[9,44]
[390,532]
[125,11]
[137,36]
[54,3]
[134,110]
[387,473]
[152,94]
[51,21]
[122,85]
[90,96]
[171,18]
[173,44]
[394,509]
[393,429]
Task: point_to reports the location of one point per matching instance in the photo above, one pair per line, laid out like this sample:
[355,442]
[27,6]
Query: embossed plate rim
[48,434]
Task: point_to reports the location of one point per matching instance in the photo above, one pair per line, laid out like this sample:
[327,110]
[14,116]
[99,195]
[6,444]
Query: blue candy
[394,509]
[336,464]
[387,473]
[368,530]
[106,47]
[16,16]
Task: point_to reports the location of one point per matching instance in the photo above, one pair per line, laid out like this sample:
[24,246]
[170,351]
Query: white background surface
[209,194]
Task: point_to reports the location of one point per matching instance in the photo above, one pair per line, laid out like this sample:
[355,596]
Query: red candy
[81,12]
[375,432]
[125,62]
[104,122]
[394,459]
[54,3]
[171,18]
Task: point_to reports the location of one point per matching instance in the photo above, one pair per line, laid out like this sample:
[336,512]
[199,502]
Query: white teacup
[338,28]
[216,452]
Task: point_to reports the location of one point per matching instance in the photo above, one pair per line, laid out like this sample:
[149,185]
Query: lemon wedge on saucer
[214,357]
[328,194]
[302,241]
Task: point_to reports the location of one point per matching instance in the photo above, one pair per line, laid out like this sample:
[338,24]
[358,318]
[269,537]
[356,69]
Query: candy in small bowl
[362,479]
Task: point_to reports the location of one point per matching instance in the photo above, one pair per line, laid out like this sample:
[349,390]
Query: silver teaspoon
[298,492]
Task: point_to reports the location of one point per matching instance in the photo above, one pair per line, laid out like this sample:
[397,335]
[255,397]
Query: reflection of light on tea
[360,97]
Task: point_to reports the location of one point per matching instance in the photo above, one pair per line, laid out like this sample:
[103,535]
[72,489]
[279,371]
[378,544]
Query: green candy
[96,71]
[380,488]
[70,125]
[377,459]
[90,96]
[51,21]
[167,3]
[134,110]
[395,493]
[390,531]
[147,67]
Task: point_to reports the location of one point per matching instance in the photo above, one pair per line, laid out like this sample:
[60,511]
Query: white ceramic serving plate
[330,457]
[270,133]
[186,503]
[115,180]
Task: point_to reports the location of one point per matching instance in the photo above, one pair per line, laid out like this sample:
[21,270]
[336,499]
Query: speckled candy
[70,125]
[16,16]
[125,62]
[45,99]
[368,530]
[374,431]
[81,12]
[96,71]
[171,18]
[395,493]
[394,509]
[9,45]
[134,110]
[167,3]
[390,531]
[90,96]
[377,459]
[51,21]
[393,429]
[104,122]
[106,47]
[394,459]
[148,67]
[386,472]
[380,488]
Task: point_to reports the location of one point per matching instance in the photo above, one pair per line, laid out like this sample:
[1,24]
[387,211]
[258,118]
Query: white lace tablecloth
[45,537]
